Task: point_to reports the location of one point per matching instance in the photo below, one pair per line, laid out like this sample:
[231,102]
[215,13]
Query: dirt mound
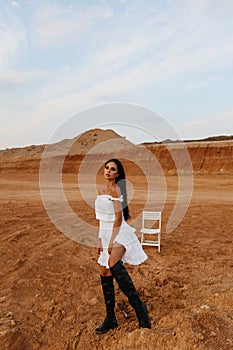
[27,159]
[207,157]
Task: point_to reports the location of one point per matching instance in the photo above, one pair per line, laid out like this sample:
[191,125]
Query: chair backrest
[156,218]
[152,216]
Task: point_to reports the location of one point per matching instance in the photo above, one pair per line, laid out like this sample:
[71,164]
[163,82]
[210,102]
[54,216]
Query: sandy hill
[80,144]
[208,156]
[28,158]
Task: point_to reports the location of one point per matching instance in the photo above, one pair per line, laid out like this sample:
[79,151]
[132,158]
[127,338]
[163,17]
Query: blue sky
[60,57]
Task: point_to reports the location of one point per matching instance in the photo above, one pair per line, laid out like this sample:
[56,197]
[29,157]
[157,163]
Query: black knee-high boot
[110,321]
[125,283]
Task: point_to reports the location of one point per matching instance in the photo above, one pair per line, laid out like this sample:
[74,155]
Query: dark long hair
[120,181]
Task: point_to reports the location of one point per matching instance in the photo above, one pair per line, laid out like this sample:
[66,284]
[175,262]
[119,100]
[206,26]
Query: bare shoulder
[115,192]
[102,191]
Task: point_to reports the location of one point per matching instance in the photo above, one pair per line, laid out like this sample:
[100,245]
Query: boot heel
[107,325]
[144,321]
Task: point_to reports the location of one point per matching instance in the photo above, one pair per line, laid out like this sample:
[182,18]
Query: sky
[57,58]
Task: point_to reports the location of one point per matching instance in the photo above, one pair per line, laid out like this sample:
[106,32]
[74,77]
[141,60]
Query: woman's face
[110,171]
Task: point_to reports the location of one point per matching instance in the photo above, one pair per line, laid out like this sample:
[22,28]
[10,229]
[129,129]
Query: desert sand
[50,295]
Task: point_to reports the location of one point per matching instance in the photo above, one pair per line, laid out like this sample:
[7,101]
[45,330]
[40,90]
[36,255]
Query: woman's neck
[110,184]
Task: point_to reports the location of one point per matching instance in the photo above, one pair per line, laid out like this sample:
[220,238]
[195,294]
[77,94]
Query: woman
[118,243]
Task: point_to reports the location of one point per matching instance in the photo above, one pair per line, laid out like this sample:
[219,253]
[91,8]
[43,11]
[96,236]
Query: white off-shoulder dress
[105,213]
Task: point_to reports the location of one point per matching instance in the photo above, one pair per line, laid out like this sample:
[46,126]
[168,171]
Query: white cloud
[15,4]
[57,26]
[12,78]
[170,45]
[13,41]
[199,83]
[206,125]
[148,54]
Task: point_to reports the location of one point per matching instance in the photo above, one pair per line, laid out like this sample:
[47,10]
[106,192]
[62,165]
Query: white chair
[156,218]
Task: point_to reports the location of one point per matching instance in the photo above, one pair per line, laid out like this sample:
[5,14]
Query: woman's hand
[110,246]
[99,248]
